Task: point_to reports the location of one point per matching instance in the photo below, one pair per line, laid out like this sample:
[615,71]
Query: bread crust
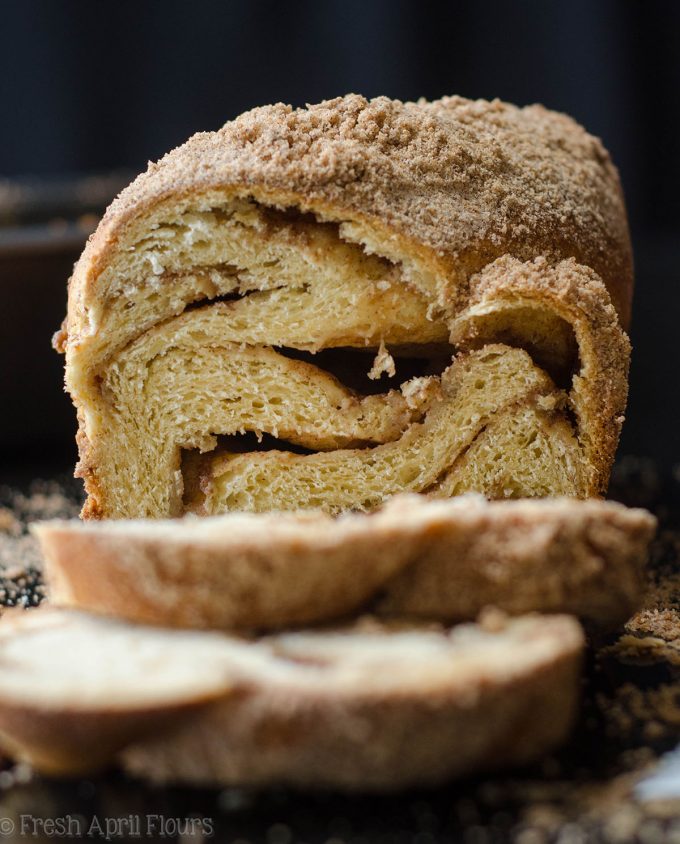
[576,295]
[68,743]
[441,560]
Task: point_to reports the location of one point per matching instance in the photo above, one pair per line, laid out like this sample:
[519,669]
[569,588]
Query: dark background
[88,87]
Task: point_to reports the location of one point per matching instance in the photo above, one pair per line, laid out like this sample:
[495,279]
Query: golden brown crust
[575,294]
[69,743]
[439,560]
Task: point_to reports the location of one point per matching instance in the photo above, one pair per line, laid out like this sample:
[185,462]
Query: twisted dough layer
[197,308]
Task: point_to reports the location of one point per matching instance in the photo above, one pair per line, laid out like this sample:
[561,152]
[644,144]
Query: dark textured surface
[629,717]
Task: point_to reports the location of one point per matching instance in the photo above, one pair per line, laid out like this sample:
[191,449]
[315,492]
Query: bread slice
[435,559]
[207,302]
[369,707]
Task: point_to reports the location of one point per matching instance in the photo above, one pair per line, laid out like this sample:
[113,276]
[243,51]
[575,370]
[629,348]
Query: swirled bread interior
[230,350]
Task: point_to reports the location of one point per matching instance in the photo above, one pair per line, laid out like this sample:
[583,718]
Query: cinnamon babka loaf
[327,306]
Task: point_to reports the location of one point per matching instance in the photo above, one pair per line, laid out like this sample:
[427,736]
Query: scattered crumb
[383,364]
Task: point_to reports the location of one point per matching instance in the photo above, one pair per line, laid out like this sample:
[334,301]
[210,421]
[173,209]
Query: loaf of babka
[321,308]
